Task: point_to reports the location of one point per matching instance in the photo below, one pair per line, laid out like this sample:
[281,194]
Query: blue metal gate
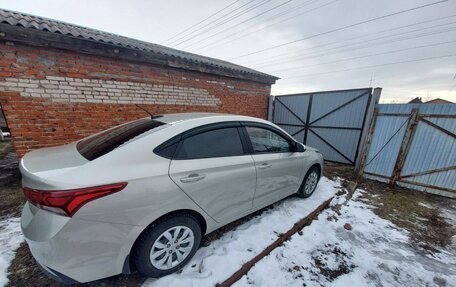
[414,146]
[333,121]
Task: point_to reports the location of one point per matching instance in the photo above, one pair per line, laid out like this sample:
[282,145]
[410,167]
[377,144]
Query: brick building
[60,82]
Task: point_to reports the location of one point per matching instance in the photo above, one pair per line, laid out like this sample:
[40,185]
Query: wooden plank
[405,145]
[392,115]
[429,172]
[438,116]
[374,98]
[427,185]
[367,144]
[362,126]
[378,175]
[284,237]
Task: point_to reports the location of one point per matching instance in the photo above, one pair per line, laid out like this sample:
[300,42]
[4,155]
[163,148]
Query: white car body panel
[95,242]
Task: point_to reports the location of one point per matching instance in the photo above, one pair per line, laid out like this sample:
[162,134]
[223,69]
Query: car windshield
[102,143]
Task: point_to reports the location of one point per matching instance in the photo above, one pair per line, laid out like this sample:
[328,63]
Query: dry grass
[11,197]
[11,200]
[417,212]
[5,148]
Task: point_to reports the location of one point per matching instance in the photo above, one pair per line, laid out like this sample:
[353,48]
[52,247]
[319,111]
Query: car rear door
[280,171]
[213,167]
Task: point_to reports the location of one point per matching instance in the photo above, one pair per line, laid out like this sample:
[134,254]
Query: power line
[339,29]
[306,55]
[245,21]
[207,18]
[374,66]
[288,11]
[217,44]
[370,55]
[453,86]
[216,25]
[365,42]
[280,57]
[348,48]
[211,22]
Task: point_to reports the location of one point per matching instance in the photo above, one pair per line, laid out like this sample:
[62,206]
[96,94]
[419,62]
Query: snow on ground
[373,253]
[10,239]
[218,261]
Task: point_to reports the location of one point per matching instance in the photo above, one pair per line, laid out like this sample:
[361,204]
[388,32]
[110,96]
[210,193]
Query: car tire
[148,256]
[310,182]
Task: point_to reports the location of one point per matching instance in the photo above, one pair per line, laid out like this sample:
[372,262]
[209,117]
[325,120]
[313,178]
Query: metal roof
[53,26]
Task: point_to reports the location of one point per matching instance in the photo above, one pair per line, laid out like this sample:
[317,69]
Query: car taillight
[67,202]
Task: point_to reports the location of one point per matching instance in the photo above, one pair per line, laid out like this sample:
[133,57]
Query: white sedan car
[141,195]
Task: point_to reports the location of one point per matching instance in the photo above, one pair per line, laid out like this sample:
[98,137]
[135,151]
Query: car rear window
[100,144]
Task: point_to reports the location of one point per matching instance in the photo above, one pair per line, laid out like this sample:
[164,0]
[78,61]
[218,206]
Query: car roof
[180,117]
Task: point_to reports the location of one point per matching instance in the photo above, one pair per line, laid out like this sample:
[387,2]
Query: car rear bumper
[57,276]
[73,250]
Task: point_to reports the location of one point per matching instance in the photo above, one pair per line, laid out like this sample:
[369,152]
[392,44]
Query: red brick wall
[36,121]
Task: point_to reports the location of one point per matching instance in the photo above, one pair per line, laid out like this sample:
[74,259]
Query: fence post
[405,145]
[366,145]
[370,117]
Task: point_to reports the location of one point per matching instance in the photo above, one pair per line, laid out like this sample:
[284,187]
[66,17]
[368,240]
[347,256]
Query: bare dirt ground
[423,215]
[11,198]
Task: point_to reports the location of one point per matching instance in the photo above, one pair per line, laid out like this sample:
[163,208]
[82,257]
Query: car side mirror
[297,147]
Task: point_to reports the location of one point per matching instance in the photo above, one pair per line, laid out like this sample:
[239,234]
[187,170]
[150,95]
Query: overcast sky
[338,60]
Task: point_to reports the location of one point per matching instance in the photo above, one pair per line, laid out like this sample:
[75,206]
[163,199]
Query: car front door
[280,171]
[213,167]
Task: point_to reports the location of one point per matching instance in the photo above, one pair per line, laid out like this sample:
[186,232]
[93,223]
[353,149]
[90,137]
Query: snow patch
[373,253]
[10,239]
[216,262]
[425,205]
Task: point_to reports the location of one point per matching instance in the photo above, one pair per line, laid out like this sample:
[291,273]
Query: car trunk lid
[53,158]
[39,165]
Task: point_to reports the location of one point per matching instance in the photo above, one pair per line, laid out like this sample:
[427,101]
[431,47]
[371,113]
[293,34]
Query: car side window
[267,141]
[214,143]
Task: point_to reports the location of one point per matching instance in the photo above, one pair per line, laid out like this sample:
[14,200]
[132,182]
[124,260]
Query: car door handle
[264,166]
[193,178]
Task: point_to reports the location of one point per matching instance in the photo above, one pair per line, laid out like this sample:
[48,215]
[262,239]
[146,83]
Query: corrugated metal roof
[54,26]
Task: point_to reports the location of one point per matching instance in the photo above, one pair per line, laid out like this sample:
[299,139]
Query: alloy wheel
[311,182]
[172,247]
